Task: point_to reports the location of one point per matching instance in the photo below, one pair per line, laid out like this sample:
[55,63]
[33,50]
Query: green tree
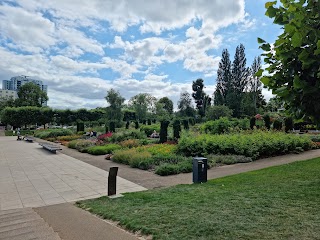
[201,99]
[167,104]
[6,102]
[255,86]
[115,101]
[143,104]
[30,94]
[216,112]
[185,105]
[224,79]
[293,59]
[240,75]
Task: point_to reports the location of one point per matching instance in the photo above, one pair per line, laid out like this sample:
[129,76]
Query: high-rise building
[16,82]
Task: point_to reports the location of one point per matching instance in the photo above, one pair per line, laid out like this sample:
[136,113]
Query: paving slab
[31,176]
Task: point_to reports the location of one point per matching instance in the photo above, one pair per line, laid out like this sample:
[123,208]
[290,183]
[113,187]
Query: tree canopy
[293,59]
[30,94]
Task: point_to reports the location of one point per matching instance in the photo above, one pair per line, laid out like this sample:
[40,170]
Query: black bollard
[112,181]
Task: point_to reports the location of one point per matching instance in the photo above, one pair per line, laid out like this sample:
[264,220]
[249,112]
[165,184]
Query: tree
[142,104]
[167,104]
[115,101]
[255,86]
[30,94]
[293,59]
[224,78]
[216,112]
[6,102]
[185,105]
[202,100]
[240,74]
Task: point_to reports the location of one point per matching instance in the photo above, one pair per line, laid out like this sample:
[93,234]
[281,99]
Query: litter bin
[199,168]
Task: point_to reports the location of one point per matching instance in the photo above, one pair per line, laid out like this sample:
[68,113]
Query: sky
[81,49]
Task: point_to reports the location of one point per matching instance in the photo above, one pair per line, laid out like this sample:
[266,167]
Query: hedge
[256,144]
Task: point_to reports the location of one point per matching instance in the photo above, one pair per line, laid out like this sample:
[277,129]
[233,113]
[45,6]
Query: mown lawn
[276,203]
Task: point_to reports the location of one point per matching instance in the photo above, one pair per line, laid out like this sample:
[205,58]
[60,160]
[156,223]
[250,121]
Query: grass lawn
[275,203]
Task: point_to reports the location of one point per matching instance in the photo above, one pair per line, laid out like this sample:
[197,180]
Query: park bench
[28,139]
[51,147]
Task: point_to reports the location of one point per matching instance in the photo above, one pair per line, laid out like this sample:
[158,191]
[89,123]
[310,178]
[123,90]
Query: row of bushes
[53,133]
[224,125]
[254,144]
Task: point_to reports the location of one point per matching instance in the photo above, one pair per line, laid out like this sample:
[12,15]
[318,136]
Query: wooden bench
[28,139]
[51,147]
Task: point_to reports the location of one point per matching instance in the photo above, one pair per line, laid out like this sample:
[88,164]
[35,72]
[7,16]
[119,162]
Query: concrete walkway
[31,176]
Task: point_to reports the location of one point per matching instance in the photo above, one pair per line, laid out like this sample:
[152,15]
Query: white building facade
[16,82]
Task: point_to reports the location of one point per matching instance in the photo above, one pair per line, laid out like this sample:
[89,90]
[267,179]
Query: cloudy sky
[82,48]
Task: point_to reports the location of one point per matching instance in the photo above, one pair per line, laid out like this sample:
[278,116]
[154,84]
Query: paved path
[31,176]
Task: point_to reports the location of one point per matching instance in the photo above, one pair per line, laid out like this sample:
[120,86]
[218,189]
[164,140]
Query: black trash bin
[200,167]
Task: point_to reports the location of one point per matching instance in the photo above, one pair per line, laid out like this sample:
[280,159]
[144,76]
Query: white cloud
[61,34]
[29,31]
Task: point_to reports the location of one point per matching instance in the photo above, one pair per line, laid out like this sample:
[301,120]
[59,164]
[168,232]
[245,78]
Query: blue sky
[81,49]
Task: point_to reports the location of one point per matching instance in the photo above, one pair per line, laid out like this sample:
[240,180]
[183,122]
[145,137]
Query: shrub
[277,125]
[101,150]
[228,159]
[80,127]
[166,169]
[130,143]
[148,129]
[223,125]
[105,136]
[112,126]
[288,123]
[255,145]
[216,112]
[131,157]
[83,145]
[315,138]
[69,138]
[72,144]
[136,124]
[164,131]
[176,129]
[267,121]
[50,139]
[125,135]
[53,133]
[185,124]
[252,122]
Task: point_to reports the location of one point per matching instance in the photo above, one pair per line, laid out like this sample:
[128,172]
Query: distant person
[154,134]
[18,134]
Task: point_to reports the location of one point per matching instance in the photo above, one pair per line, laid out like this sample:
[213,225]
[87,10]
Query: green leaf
[271,12]
[282,91]
[297,82]
[292,8]
[303,55]
[259,73]
[265,47]
[269,4]
[296,39]
[260,40]
[289,28]
[265,80]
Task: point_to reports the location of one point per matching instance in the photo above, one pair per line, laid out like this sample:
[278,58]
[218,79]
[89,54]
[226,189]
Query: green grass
[274,203]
